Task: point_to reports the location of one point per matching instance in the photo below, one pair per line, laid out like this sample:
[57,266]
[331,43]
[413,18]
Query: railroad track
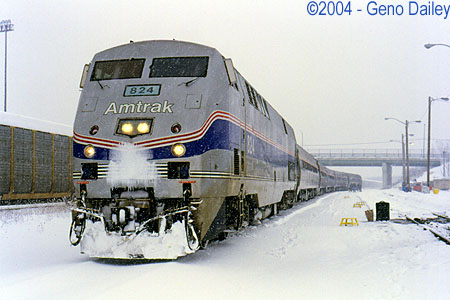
[441,216]
[436,234]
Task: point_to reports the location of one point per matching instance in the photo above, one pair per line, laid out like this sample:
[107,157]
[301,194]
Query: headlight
[134,127]
[89,151]
[143,128]
[178,150]
[126,128]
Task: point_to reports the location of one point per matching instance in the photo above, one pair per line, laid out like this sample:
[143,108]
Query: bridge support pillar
[387,175]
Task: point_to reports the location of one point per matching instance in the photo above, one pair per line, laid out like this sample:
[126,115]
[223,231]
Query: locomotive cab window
[118,69]
[196,66]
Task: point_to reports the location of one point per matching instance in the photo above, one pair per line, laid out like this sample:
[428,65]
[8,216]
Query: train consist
[35,166]
[173,147]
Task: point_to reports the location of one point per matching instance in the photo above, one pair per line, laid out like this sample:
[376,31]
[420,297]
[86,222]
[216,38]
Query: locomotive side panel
[269,148]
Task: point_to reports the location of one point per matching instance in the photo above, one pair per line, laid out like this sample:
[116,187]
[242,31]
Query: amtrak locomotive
[173,147]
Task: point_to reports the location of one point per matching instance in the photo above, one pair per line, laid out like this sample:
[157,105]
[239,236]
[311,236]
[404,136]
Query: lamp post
[430,100]
[406,123]
[6,26]
[403,159]
[428,46]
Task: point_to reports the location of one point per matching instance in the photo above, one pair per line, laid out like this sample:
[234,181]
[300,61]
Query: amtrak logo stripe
[184,138]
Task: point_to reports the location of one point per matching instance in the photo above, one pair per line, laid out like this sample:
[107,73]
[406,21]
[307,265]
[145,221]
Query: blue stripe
[215,138]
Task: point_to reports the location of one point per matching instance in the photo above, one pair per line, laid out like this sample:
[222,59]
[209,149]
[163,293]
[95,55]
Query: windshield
[118,69]
[196,66]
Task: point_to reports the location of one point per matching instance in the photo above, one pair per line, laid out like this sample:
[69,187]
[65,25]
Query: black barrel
[382,211]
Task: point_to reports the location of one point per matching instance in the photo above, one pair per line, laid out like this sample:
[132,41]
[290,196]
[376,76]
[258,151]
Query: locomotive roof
[170,43]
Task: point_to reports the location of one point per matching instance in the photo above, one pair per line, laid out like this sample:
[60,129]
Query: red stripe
[96,139]
[191,136]
[87,141]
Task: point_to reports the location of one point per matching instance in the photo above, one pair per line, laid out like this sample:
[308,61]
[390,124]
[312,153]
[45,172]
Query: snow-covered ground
[302,253]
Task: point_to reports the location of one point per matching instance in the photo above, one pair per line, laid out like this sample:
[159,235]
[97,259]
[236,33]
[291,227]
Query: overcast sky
[334,79]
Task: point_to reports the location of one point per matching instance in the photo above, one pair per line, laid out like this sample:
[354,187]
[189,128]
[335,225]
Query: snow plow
[121,233]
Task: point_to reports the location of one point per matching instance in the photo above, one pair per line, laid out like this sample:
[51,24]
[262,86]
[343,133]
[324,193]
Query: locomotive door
[298,171]
[240,155]
[239,144]
[244,141]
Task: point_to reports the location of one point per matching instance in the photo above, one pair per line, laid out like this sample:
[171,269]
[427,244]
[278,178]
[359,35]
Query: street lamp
[406,123]
[6,26]
[428,46]
[430,100]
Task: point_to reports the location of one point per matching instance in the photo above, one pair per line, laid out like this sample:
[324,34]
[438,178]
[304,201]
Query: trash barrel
[382,209]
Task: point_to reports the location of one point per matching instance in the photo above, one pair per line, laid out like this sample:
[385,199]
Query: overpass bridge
[385,158]
[376,157]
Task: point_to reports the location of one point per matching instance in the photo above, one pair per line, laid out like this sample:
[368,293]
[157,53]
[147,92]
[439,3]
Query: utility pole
[406,123]
[430,100]
[407,156]
[403,162]
[429,141]
[6,26]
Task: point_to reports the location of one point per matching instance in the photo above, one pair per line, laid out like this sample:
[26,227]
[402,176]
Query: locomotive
[173,147]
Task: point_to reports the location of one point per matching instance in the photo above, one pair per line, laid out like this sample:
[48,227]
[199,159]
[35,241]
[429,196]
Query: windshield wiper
[188,83]
[101,85]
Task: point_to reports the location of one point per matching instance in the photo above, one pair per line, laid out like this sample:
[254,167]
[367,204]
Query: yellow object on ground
[349,221]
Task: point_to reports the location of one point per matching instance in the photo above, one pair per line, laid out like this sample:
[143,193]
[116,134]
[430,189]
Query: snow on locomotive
[172,148]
